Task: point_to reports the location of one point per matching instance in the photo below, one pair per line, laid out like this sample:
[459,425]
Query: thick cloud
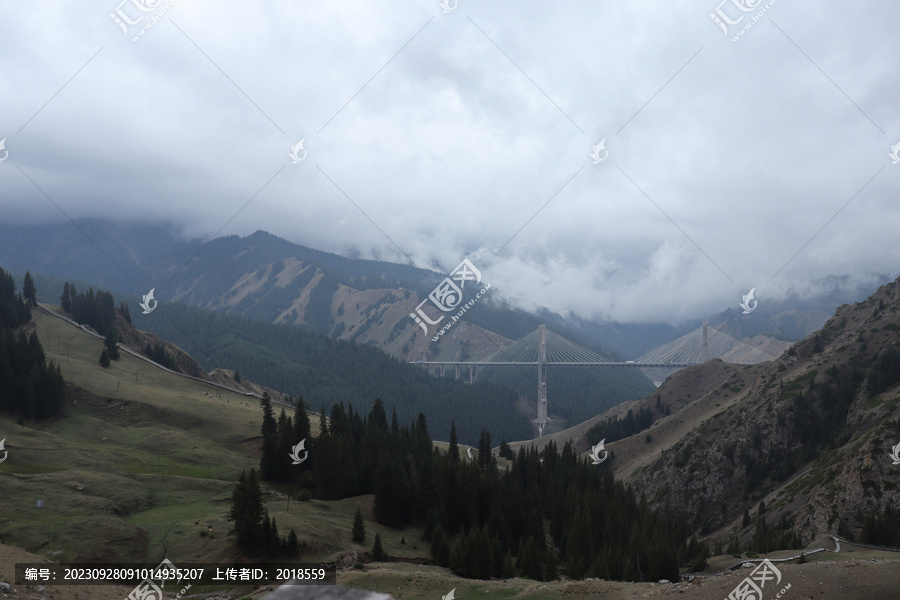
[432,137]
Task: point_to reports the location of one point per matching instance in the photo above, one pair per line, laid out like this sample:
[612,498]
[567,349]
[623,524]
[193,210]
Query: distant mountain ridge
[132,258]
[268,279]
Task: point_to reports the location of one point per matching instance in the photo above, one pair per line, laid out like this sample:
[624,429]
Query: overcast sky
[435,136]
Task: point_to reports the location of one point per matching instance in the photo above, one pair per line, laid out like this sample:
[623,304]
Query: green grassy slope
[126,475]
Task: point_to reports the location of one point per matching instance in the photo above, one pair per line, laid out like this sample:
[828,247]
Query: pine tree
[125,311]
[358,532]
[378,553]
[292,547]
[110,341]
[395,424]
[65,300]
[283,450]
[104,358]
[454,446]
[377,416]
[267,462]
[269,425]
[485,458]
[505,451]
[28,291]
[248,513]
[272,539]
[301,423]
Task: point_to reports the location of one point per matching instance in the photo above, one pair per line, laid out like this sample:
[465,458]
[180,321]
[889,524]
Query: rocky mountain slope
[809,434]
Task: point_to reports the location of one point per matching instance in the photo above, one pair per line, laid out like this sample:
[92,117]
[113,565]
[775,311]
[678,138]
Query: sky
[755,153]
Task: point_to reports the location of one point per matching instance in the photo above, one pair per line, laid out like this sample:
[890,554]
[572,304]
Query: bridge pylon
[542,381]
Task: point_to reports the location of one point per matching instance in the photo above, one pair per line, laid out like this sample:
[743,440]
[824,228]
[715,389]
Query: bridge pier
[473,374]
[457,372]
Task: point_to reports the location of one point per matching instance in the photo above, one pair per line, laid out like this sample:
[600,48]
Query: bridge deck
[553,364]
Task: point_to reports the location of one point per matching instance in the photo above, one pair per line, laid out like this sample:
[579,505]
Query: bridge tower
[542,381]
[705,342]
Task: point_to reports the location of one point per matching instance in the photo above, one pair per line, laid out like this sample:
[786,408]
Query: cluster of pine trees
[157,353]
[615,428]
[257,533]
[97,309]
[278,439]
[29,384]
[482,522]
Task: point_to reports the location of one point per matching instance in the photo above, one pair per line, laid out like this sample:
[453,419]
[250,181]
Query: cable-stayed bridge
[543,349]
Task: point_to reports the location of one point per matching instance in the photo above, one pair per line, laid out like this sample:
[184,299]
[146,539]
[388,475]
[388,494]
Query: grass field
[139,459]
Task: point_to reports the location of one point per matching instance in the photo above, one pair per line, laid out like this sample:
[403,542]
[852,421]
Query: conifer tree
[378,553]
[269,425]
[505,451]
[323,424]
[485,458]
[110,341]
[125,311]
[359,526]
[422,424]
[104,358]
[267,462]
[283,450]
[301,423]
[247,512]
[292,546]
[454,445]
[377,416]
[65,300]
[28,291]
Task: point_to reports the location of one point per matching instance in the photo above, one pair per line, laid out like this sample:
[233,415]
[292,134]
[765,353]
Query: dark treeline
[97,309]
[615,428]
[549,511]
[303,363]
[30,385]
[157,353]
